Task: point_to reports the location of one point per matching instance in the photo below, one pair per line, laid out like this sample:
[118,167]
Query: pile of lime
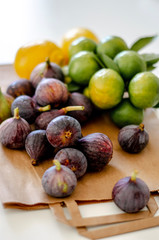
[116,77]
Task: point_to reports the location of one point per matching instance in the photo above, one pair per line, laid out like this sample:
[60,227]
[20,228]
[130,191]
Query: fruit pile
[61,88]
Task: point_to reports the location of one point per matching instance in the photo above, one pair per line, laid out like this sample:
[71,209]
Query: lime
[82,66]
[111,45]
[125,114]
[86,92]
[144,90]
[106,88]
[129,63]
[82,44]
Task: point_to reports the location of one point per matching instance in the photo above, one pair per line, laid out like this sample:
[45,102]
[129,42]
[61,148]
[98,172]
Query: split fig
[59,180]
[98,149]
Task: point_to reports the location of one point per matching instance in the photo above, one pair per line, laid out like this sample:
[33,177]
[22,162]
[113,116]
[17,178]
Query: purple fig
[79,99]
[38,147]
[73,159]
[14,131]
[59,180]
[133,138]
[20,87]
[63,131]
[131,194]
[98,149]
[51,91]
[28,108]
[45,118]
[46,70]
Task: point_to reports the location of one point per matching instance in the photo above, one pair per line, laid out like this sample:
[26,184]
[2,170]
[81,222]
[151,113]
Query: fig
[63,131]
[5,107]
[76,98]
[28,108]
[133,138]
[73,159]
[38,147]
[20,87]
[14,130]
[44,118]
[46,69]
[51,91]
[98,149]
[59,180]
[131,194]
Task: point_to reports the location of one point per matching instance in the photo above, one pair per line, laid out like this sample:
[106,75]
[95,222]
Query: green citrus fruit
[129,63]
[82,44]
[111,46]
[82,66]
[106,88]
[144,90]
[125,114]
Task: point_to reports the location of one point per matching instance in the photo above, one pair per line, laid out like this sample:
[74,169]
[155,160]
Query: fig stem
[141,126]
[16,113]
[133,175]
[33,162]
[72,108]
[45,108]
[57,164]
[47,61]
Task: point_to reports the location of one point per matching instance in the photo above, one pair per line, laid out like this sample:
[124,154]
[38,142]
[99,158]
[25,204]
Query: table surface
[25,21]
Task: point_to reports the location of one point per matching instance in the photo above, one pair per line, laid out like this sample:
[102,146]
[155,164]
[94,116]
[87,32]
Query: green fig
[5,107]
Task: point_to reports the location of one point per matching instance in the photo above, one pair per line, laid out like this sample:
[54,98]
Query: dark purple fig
[59,180]
[98,149]
[44,118]
[28,108]
[21,87]
[131,194]
[63,131]
[46,70]
[38,147]
[14,131]
[79,99]
[133,138]
[51,91]
[73,159]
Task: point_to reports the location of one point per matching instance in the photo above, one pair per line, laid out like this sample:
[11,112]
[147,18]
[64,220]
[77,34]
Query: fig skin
[131,194]
[78,99]
[59,181]
[63,131]
[20,87]
[98,149]
[51,91]
[46,69]
[133,138]
[28,108]
[14,131]
[38,147]
[45,118]
[73,159]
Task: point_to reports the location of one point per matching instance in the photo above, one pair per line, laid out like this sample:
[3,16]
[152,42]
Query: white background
[22,21]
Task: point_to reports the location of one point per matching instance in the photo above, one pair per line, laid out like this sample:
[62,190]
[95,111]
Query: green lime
[111,46]
[86,92]
[144,90]
[82,44]
[106,88]
[129,63]
[82,66]
[125,114]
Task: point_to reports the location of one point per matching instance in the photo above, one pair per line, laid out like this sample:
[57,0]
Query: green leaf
[150,68]
[150,58]
[108,62]
[142,42]
[73,87]
[97,59]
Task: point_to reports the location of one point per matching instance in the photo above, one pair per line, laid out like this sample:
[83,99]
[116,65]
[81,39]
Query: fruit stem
[47,61]
[16,113]
[133,175]
[57,164]
[45,108]
[141,126]
[72,108]
[33,162]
